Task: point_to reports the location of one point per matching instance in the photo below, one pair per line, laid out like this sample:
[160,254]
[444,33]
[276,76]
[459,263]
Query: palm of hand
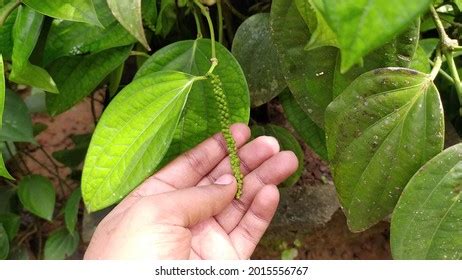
[184,212]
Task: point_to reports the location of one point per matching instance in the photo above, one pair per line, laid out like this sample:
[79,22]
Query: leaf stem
[436,65]
[442,72]
[206,13]
[220,21]
[448,46]
[198,24]
[235,11]
[7,10]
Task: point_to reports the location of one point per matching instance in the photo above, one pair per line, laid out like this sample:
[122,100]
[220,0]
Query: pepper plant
[372,87]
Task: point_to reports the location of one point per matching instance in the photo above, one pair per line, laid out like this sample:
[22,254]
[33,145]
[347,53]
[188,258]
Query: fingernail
[225,180]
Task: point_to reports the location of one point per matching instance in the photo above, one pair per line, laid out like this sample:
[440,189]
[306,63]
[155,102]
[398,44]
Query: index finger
[189,168]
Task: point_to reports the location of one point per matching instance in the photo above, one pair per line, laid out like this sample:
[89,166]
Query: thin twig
[93,109]
[52,161]
[235,11]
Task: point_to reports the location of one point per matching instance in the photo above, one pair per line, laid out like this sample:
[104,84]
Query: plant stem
[138,53]
[437,65]
[235,11]
[198,24]
[442,72]
[220,22]
[206,13]
[455,76]
[7,10]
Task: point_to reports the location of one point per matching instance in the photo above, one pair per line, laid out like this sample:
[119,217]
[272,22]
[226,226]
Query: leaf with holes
[380,131]
[255,51]
[133,136]
[427,221]
[73,10]
[198,122]
[128,13]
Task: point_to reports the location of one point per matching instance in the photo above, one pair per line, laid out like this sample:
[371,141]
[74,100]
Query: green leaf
[314,76]
[37,195]
[322,34]
[61,244]
[149,13]
[7,199]
[356,22]
[426,223]
[255,51]
[309,75]
[397,53]
[17,123]
[287,142]
[72,10]
[71,210]
[67,38]
[4,243]
[429,45]
[10,223]
[380,131]
[420,62]
[312,134]
[197,122]
[75,156]
[128,13]
[3,171]
[77,77]
[166,18]
[6,36]
[132,136]
[26,32]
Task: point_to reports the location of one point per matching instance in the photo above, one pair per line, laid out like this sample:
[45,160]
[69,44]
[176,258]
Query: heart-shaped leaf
[67,38]
[256,53]
[61,244]
[380,131]
[17,123]
[11,223]
[26,32]
[287,142]
[427,221]
[76,77]
[128,13]
[37,195]
[312,134]
[132,136]
[356,22]
[197,122]
[73,10]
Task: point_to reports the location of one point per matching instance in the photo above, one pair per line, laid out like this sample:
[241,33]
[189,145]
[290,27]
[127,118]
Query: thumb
[190,206]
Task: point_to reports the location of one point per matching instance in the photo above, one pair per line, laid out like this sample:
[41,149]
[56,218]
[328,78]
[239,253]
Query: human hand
[187,209]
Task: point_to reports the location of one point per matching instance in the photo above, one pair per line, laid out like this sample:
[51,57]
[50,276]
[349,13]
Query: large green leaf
[312,134]
[256,53]
[132,136]
[309,75]
[287,142]
[380,131]
[4,243]
[76,77]
[427,221]
[61,244]
[17,123]
[3,171]
[128,13]
[37,195]
[26,32]
[314,76]
[199,119]
[67,38]
[356,23]
[421,61]
[71,210]
[73,10]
